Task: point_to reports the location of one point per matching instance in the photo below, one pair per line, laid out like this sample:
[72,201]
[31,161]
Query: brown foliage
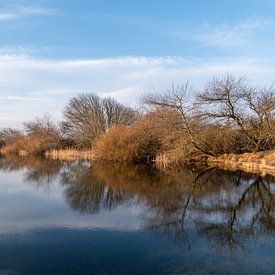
[135,143]
[40,135]
[7,135]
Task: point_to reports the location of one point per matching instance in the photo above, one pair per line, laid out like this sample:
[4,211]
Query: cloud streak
[5,16]
[22,98]
[31,86]
[19,12]
[236,35]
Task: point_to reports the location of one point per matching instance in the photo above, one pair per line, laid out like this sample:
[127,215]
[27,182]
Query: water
[79,218]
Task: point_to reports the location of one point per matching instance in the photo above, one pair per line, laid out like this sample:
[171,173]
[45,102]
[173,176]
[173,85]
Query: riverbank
[260,163]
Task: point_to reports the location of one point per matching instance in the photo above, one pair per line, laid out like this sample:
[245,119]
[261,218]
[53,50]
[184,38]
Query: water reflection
[227,209]
[86,193]
[37,170]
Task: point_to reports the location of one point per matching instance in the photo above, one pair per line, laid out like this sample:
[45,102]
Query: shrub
[134,143]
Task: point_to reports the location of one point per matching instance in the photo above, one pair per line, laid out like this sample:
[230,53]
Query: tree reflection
[226,208]
[37,170]
[87,194]
[242,207]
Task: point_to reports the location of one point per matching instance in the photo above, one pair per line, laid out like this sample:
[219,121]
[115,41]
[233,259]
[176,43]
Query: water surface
[80,218]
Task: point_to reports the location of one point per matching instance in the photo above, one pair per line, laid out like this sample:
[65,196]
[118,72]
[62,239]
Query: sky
[52,50]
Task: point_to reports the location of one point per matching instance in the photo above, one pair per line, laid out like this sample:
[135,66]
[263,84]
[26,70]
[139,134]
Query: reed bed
[70,154]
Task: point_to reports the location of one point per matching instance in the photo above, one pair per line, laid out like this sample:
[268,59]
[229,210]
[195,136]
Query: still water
[80,218]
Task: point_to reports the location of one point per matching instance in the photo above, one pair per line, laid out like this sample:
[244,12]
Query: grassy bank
[261,162]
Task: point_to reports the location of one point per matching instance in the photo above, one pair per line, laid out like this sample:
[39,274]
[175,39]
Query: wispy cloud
[226,35]
[4,16]
[32,10]
[16,50]
[30,86]
[19,12]
[27,99]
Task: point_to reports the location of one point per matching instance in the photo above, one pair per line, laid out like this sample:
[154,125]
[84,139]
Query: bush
[135,143]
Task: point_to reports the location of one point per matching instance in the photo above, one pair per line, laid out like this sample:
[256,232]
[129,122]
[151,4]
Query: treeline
[173,126]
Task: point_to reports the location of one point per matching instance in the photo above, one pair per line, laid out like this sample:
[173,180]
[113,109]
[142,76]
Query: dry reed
[261,162]
[70,154]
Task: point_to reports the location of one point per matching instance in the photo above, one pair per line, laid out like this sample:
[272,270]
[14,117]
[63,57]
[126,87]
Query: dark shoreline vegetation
[228,122]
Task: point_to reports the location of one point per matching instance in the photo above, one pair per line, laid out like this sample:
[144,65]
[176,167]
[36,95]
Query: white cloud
[4,16]
[30,86]
[32,10]
[226,35]
[26,98]
[15,50]
[18,12]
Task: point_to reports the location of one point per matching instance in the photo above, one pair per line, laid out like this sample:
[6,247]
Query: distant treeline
[175,125]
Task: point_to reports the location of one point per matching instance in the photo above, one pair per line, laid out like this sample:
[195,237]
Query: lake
[84,218]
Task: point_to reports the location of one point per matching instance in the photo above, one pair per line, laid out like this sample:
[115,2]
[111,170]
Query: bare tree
[116,113]
[232,102]
[45,131]
[41,127]
[87,116]
[84,118]
[178,98]
[8,135]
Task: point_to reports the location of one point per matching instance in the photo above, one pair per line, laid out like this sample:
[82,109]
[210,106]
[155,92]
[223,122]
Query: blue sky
[52,50]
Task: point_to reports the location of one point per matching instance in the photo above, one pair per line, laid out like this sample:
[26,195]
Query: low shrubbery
[39,136]
[136,143]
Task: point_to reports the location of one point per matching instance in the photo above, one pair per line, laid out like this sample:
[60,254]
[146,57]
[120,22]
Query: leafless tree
[232,102]
[45,131]
[41,127]
[8,135]
[178,98]
[87,116]
[116,113]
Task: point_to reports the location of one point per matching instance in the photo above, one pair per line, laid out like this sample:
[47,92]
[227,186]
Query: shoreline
[262,163]
[259,163]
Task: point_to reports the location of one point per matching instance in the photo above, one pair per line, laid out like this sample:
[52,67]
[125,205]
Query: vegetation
[260,162]
[177,125]
[39,135]
[88,116]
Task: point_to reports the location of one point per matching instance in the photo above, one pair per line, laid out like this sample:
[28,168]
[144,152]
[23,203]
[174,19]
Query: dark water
[78,218]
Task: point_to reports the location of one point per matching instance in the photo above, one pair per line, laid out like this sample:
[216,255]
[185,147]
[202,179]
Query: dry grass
[261,162]
[24,145]
[70,154]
